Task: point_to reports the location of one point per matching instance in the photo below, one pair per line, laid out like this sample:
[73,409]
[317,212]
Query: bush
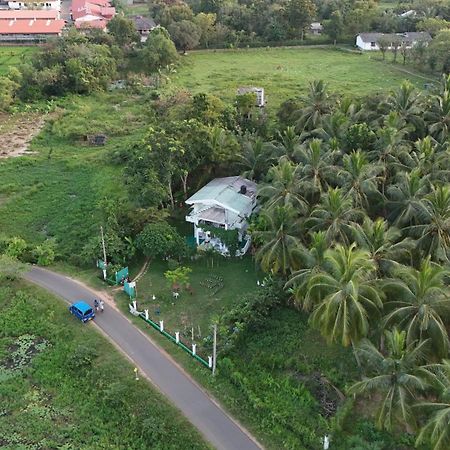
[45,252]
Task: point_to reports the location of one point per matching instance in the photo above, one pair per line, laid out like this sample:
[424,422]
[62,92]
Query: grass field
[12,56]
[63,386]
[285,72]
[57,191]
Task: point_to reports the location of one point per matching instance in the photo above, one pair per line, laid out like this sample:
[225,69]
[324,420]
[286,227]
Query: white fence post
[210,362]
[146,314]
[134,304]
[177,337]
[161,325]
[194,346]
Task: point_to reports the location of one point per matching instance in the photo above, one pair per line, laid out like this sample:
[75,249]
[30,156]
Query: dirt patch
[17,131]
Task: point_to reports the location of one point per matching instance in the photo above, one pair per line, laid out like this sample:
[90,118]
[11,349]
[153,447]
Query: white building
[224,203]
[36,4]
[260,99]
[369,41]
[316,28]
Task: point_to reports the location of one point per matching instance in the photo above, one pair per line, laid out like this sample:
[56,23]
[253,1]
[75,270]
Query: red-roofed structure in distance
[28,14]
[30,30]
[92,13]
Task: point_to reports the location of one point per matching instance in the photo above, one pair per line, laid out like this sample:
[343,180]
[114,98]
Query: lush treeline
[356,220]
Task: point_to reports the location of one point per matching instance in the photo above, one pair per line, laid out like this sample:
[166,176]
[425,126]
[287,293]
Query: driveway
[204,413]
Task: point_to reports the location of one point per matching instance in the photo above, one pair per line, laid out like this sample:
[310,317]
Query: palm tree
[333,126]
[289,143]
[316,104]
[438,115]
[359,178]
[406,102]
[316,166]
[437,429]
[279,252]
[312,261]
[345,295]
[283,188]
[433,228]
[419,304]
[256,157]
[384,244]
[430,161]
[395,378]
[406,196]
[335,215]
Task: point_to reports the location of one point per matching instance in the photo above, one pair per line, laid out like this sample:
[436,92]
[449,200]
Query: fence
[175,339]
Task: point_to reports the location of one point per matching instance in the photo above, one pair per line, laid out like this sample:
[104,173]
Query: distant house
[260,99]
[225,203]
[29,25]
[35,4]
[92,13]
[143,26]
[316,28]
[369,41]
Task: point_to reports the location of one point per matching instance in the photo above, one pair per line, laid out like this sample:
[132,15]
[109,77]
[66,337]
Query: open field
[63,386]
[286,72]
[57,191]
[14,55]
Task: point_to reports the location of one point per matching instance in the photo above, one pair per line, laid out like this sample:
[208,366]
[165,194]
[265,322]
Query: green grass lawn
[57,192]
[63,386]
[13,56]
[285,72]
[215,289]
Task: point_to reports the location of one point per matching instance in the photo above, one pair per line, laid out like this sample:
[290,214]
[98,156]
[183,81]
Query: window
[89,311]
[373,44]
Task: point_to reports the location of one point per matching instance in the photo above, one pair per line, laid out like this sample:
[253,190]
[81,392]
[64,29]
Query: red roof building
[92,13]
[30,29]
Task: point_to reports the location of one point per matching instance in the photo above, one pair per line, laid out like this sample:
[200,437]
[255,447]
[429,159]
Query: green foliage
[123,30]
[67,379]
[16,247]
[161,240]
[159,51]
[178,276]
[45,252]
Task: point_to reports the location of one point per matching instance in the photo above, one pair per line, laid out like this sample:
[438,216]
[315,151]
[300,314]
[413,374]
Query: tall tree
[299,14]
[159,51]
[336,215]
[279,252]
[346,295]
[395,377]
[334,27]
[420,304]
[283,187]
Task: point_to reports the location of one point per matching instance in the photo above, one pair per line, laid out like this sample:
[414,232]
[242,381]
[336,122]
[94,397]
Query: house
[224,203]
[92,13]
[369,41]
[35,4]
[316,28]
[260,99]
[143,26]
[30,29]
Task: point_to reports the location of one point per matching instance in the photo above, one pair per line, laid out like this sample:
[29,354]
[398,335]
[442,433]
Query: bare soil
[17,131]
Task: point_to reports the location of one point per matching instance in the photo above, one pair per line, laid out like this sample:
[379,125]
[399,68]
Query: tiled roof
[39,26]
[408,37]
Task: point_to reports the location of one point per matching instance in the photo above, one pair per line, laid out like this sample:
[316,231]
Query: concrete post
[134,304]
[146,314]
[194,347]
[177,337]
[210,362]
[161,325]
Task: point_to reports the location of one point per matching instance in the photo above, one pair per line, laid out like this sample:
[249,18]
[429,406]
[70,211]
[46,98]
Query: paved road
[216,426]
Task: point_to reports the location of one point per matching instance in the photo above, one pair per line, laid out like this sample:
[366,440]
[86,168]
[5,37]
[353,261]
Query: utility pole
[214,349]
[104,253]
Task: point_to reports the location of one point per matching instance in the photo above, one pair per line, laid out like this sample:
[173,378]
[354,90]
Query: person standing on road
[102,305]
[96,304]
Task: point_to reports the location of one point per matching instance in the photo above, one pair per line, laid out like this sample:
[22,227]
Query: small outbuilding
[316,28]
[260,98]
[144,25]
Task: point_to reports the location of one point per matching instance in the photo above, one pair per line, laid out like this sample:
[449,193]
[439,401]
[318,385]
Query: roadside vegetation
[64,386]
